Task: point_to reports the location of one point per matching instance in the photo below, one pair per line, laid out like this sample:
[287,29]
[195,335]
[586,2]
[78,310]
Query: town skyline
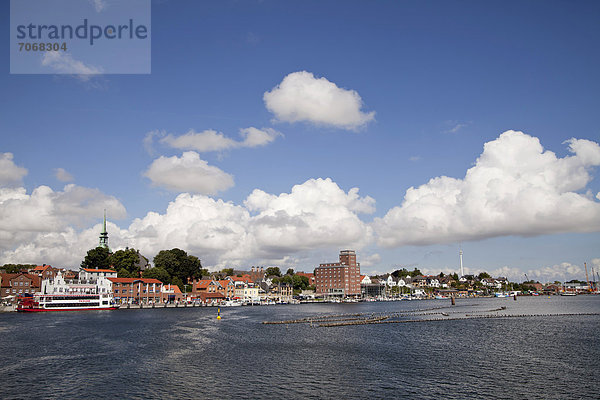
[402,131]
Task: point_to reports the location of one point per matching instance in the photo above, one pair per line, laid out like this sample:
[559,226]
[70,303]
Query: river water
[188,353]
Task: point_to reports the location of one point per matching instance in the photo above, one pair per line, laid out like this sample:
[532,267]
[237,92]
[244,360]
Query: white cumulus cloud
[314,214]
[64,63]
[28,218]
[10,173]
[301,97]
[188,173]
[211,140]
[514,188]
[62,175]
[559,272]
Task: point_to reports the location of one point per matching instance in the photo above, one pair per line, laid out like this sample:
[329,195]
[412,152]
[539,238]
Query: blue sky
[410,91]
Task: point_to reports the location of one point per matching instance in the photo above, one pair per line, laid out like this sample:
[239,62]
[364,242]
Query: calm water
[187,353]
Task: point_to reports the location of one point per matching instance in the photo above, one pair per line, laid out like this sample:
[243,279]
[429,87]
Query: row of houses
[47,279]
[242,288]
[433,281]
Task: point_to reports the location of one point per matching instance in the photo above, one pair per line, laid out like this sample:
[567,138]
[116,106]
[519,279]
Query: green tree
[97,258]
[126,259]
[16,268]
[178,264]
[157,273]
[123,273]
[227,271]
[483,275]
[273,271]
[290,271]
[300,282]
[415,272]
[400,273]
[286,279]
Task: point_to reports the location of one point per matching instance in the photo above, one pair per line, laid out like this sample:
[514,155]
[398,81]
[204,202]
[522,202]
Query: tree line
[173,266]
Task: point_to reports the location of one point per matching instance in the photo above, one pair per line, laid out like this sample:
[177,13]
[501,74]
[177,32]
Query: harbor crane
[587,277]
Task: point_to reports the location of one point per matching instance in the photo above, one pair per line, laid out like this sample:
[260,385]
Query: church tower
[104,234]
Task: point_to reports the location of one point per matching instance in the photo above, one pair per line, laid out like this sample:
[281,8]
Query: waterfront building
[226,288]
[251,293]
[200,286]
[405,281]
[19,284]
[207,290]
[372,289]
[239,289]
[144,291]
[339,279]
[390,282]
[576,287]
[553,288]
[91,281]
[98,277]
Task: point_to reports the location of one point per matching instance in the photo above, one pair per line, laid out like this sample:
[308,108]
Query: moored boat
[65,302]
[91,292]
[568,294]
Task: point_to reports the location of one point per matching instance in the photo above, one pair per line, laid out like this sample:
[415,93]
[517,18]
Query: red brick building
[339,279]
[19,284]
[45,271]
[138,290]
[227,288]
[207,290]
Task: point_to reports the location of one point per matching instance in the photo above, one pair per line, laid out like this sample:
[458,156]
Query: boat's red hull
[64,309]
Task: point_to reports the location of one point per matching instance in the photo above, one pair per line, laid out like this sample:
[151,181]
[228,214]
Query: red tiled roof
[98,270]
[41,267]
[203,283]
[131,280]
[225,282]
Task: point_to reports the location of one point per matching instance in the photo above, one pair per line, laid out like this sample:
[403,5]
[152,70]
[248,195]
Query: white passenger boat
[91,292]
[66,302]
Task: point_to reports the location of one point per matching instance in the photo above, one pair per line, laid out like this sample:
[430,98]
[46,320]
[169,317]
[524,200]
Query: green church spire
[104,234]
